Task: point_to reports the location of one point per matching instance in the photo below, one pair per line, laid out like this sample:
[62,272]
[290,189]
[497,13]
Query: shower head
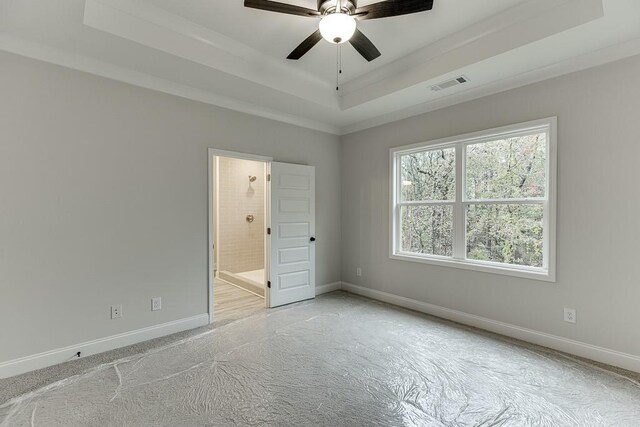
[252,178]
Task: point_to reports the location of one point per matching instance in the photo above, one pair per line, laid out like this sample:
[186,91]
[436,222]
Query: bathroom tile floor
[232,303]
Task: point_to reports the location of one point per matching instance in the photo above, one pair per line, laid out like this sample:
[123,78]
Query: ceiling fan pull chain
[338,68]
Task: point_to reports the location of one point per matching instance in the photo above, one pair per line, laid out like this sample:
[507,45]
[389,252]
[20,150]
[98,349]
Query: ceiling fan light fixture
[337,28]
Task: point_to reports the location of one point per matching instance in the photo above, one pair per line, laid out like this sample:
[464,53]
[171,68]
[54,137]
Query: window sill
[485,267]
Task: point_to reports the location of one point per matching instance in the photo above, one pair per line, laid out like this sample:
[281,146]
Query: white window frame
[548,270]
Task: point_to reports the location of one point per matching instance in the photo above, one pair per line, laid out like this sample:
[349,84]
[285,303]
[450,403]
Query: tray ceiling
[277,35]
[224,54]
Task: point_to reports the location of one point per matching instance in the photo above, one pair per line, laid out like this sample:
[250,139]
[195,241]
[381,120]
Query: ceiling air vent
[450,83]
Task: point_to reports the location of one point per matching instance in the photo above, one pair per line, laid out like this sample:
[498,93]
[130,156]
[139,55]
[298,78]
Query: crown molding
[153,27]
[52,55]
[491,25]
[86,64]
[578,63]
[504,32]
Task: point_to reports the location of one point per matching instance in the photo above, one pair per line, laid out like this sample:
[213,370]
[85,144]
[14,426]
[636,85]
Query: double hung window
[484,201]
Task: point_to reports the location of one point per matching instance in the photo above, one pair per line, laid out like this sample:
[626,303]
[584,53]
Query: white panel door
[293,226]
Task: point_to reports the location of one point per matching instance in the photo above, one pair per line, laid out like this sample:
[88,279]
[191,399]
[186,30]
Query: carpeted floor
[337,360]
[231,304]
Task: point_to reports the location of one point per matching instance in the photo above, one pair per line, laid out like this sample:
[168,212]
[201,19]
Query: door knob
[313,239]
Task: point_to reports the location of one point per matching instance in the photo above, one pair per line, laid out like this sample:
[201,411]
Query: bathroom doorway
[240,229]
[261,234]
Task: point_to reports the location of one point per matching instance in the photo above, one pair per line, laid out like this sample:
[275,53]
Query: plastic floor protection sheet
[336,361]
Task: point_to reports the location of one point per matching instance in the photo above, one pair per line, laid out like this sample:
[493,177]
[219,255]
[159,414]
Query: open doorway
[261,234]
[240,219]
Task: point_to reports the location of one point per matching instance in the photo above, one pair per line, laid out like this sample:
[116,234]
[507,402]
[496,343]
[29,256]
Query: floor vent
[450,83]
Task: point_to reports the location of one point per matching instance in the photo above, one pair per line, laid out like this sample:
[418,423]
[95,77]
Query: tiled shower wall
[241,244]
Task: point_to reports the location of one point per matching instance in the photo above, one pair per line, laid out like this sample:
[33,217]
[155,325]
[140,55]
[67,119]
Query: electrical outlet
[570,315]
[359,272]
[116,311]
[156,304]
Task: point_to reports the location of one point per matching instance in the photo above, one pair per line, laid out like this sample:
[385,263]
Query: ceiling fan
[338,20]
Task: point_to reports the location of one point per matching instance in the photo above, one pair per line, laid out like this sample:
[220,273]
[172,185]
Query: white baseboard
[60,355]
[577,348]
[65,354]
[329,287]
[599,354]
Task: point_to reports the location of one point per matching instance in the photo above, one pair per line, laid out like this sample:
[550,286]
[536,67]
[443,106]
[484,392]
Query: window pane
[511,234]
[429,175]
[507,168]
[427,229]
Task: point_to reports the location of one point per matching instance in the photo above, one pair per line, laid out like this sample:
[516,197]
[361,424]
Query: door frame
[212,153]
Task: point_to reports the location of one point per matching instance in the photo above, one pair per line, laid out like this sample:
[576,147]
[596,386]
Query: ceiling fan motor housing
[338,23]
[329,6]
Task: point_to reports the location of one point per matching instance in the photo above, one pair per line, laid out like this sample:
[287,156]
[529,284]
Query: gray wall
[103,200]
[598,209]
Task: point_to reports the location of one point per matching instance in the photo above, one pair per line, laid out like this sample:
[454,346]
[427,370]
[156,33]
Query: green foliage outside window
[507,169]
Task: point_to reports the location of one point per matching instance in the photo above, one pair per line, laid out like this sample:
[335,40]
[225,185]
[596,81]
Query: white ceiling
[221,53]
[277,34]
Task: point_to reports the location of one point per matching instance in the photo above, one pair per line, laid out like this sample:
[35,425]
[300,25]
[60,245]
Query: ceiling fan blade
[274,6]
[390,8]
[305,46]
[364,46]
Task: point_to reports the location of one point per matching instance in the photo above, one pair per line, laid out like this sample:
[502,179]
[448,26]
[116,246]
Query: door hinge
[269,284]
[269,230]
[268,177]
